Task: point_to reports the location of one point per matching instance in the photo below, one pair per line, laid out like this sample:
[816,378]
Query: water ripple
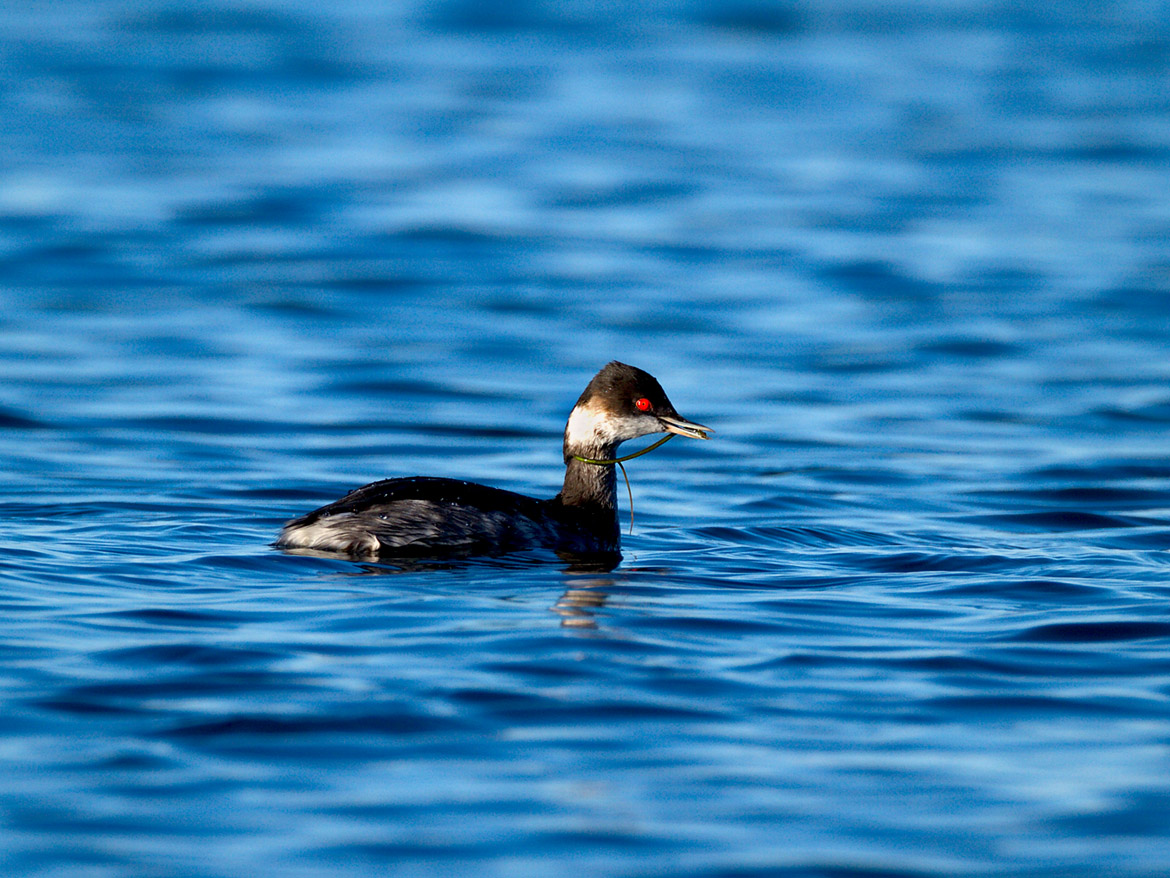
[904,616]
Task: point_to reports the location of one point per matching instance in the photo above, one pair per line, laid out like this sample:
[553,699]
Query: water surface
[905,616]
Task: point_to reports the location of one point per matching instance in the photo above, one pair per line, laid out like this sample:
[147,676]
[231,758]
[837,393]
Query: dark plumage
[432,516]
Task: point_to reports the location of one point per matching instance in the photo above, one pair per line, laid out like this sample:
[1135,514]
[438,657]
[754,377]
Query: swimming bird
[422,516]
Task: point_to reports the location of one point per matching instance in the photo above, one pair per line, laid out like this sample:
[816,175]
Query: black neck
[589,496]
[588,484]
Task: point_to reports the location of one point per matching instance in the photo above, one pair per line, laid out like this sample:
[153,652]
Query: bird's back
[427,515]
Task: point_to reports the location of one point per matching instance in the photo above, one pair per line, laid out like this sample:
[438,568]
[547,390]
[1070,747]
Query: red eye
[644,405]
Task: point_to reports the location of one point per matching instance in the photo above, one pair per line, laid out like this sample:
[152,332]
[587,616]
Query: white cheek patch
[585,426]
[591,427]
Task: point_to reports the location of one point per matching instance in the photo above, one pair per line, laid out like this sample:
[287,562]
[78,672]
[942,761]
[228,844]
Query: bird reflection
[575,606]
[587,590]
[594,562]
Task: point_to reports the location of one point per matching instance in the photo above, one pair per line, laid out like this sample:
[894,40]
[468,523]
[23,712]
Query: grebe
[432,516]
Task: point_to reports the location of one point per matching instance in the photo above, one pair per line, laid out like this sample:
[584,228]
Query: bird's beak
[683,427]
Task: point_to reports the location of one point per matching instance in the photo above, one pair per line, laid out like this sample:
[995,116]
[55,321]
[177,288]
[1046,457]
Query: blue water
[908,614]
